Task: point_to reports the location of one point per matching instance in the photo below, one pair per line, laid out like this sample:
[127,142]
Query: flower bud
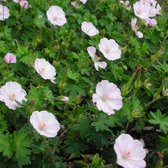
[139,34]
[152,22]
[24,4]
[10,58]
[63,98]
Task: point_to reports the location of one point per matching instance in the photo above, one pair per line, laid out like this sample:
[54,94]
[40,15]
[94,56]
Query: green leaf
[159,119]
[39,20]
[73,75]
[6,145]
[36,96]
[100,123]
[3,123]
[83,126]
[27,59]
[133,109]
[22,148]
[75,89]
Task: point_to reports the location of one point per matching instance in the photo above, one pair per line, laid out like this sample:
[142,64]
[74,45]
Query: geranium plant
[84,83]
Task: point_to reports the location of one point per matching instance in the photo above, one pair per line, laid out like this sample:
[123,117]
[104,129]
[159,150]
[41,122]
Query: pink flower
[24,4]
[151,22]
[10,58]
[130,152]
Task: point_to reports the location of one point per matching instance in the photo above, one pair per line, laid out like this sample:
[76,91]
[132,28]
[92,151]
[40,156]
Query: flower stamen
[42,70]
[12,97]
[126,155]
[43,126]
[105,97]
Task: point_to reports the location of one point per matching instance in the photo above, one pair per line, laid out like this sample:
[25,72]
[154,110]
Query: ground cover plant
[84,83]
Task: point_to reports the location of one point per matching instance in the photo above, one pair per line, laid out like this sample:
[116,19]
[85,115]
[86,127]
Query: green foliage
[103,122]
[3,123]
[22,148]
[133,109]
[87,135]
[96,162]
[6,145]
[16,146]
[159,119]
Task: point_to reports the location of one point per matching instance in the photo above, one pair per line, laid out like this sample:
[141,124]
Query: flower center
[139,12]
[43,126]
[12,97]
[42,70]
[55,18]
[126,155]
[107,50]
[105,98]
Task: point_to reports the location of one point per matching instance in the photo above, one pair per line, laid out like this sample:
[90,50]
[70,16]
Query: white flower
[45,69]
[130,152]
[4,12]
[83,1]
[155,9]
[107,97]
[141,9]
[56,15]
[145,9]
[139,34]
[98,64]
[45,123]
[89,28]
[11,93]
[110,49]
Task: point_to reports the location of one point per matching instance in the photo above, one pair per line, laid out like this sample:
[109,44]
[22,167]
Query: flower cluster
[145,10]
[107,97]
